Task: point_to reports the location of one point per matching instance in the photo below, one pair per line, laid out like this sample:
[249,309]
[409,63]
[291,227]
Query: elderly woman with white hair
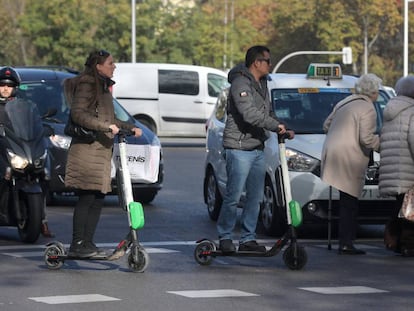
[350,139]
[397,162]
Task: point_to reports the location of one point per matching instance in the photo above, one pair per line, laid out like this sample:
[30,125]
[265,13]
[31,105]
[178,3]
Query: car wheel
[144,195]
[272,216]
[149,124]
[213,196]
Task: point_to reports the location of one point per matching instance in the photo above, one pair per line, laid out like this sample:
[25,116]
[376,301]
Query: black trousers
[348,213]
[400,228]
[86,215]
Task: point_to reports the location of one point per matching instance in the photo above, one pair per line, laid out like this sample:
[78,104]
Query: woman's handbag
[79,133]
[407,208]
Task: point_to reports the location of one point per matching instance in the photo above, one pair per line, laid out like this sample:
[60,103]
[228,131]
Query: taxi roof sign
[324,71]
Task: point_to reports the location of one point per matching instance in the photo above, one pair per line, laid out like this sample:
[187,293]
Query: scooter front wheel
[202,252]
[295,257]
[53,255]
[138,259]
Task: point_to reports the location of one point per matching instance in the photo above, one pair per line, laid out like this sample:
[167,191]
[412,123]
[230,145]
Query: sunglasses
[267,60]
[103,53]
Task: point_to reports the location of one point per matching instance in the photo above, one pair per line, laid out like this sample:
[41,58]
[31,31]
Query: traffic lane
[174,281]
[177,212]
[171,222]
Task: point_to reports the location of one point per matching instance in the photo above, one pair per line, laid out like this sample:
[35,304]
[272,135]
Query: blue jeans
[245,170]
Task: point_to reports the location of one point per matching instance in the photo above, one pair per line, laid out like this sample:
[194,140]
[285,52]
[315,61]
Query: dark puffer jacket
[249,113]
[88,166]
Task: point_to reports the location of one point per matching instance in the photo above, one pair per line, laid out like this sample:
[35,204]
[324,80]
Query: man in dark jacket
[249,115]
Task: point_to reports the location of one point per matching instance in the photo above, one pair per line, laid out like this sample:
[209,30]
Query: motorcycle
[24,168]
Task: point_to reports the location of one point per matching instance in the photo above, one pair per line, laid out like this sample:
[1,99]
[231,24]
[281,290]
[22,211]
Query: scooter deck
[96,257]
[240,254]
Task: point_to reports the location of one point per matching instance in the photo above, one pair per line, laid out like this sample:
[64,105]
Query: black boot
[79,250]
[91,246]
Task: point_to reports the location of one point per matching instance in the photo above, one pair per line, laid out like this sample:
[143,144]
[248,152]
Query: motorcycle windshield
[25,119]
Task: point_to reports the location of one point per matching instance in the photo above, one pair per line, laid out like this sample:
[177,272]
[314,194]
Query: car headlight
[17,162]
[300,162]
[60,141]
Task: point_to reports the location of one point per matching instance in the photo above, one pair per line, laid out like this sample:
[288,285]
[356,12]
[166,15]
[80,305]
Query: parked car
[170,99]
[44,86]
[303,101]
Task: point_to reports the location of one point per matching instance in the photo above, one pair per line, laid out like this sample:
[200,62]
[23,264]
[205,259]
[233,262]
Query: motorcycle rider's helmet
[10,77]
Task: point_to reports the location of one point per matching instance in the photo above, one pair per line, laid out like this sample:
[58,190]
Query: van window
[216,83]
[178,82]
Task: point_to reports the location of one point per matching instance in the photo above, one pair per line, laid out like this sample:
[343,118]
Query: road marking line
[160,243]
[175,243]
[364,246]
[54,300]
[218,293]
[150,250]
[153,250]
[344,290]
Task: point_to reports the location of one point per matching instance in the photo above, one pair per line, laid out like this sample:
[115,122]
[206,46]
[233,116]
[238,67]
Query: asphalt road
[173,280]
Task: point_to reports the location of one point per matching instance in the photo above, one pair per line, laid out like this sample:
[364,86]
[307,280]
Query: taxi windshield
[305,110]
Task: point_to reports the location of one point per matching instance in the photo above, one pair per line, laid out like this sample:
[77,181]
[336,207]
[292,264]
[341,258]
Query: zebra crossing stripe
[217,293]
[344,290]
[55,300]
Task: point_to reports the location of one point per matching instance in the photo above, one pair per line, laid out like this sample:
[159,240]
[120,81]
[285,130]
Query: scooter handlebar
[126,132]
[282,137]
[123,132]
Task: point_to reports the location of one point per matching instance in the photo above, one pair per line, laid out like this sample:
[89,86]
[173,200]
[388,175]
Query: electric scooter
[294,256]
[138,259]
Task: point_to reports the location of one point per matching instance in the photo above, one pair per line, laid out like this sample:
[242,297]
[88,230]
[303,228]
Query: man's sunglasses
[9,84]
[267,60]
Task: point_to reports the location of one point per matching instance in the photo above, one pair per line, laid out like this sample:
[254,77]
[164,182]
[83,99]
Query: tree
[63,32]
[326,25]
[13,49]
[213,33]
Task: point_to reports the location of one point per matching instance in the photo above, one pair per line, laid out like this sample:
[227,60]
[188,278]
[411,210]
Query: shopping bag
[143,162]
[407,208]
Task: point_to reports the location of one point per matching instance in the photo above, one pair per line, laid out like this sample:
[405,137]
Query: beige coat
[350,138]
[88,166]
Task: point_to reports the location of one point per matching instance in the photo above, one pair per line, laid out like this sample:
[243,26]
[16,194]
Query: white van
[170,99]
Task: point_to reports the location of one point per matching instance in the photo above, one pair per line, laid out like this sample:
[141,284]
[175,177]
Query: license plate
[372,193]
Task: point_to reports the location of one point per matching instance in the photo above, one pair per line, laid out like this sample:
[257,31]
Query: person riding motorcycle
[9,83]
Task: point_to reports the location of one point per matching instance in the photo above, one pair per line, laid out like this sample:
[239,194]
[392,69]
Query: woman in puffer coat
[350,139]
[397,160]
[88,167]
